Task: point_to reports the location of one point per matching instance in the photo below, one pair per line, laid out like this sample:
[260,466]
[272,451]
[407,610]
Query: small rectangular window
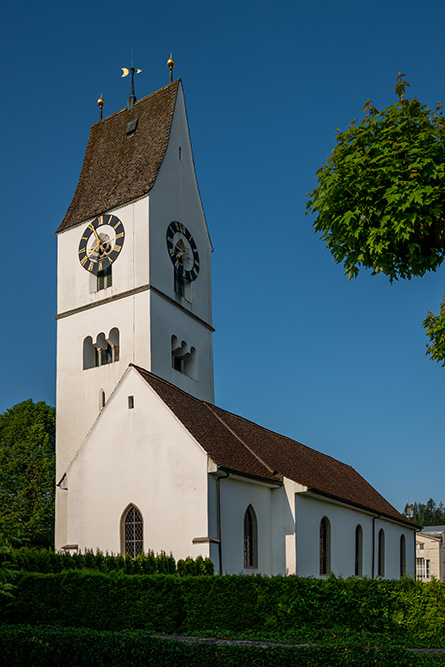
[130,402]
[104,278]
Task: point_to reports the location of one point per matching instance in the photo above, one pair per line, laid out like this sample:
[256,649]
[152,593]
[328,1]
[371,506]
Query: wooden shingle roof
[239,445]
[118,168]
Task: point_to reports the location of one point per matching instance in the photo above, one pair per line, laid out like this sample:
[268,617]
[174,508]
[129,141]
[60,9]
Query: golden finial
[170,65]
[100,104]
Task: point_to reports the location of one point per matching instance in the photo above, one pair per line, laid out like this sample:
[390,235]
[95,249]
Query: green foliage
[380,198]
[39,646]
[428,514]
[35,559]
[7,570]
[403,613]
[435,330]
[27,468]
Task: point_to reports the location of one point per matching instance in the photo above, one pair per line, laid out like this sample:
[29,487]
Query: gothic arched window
[250,538]
[381,554]
[358,569]
[325,546]
[132,532]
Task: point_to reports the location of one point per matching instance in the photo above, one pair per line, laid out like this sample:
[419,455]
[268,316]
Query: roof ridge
[124,109]
[281,435]
[209,407]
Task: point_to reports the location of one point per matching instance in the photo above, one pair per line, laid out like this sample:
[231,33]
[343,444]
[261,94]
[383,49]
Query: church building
[145,459]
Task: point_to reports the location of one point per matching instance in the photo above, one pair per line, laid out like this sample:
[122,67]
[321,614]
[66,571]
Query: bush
[46,561]
[404,611]
[43,646]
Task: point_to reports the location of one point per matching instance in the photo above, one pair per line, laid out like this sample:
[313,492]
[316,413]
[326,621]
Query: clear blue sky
[337,365]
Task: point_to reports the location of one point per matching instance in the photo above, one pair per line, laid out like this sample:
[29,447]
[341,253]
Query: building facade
[145,460]
[430,553]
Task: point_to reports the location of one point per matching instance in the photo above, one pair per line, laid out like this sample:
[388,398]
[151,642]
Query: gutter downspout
[218,517]
[373,545]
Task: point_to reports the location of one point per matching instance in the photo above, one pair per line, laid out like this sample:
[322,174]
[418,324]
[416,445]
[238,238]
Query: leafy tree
[380,199]
[27,471]
[8,538]
[428,514]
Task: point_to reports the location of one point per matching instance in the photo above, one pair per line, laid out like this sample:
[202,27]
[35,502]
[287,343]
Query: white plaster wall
[283,528]
[175,196]
[78,389]
[236,496]
[167,321]
[142,456]
[343,520]
[130,270]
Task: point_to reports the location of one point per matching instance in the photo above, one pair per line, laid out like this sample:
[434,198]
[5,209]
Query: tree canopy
[27,471]
[426,514]
[380,198]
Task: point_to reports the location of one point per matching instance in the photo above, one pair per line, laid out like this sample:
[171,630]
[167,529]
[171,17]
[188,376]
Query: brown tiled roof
[117,169]
[239,445]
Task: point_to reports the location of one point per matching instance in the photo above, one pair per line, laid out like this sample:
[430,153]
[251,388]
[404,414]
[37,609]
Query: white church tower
[134,270]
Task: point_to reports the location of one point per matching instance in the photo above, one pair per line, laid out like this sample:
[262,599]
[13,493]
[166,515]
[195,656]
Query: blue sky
[337,365]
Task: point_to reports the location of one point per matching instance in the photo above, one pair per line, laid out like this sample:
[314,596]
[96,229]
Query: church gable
[137,454]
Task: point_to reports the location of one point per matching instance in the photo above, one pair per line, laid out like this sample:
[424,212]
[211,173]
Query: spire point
[100,104]
[170,65]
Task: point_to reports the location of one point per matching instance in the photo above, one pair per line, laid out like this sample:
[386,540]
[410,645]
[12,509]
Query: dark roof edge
[402,519]
[267,480]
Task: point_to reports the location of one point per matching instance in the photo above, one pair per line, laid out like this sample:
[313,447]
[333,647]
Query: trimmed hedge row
[169,604]
[44,560]
[43,646]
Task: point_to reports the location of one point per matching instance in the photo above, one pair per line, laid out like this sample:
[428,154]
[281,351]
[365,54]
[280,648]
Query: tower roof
[118,166]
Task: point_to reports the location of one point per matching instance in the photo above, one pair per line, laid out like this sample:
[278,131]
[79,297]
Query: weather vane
[126,72]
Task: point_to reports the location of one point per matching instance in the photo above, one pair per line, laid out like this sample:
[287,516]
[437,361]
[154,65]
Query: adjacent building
[430,553]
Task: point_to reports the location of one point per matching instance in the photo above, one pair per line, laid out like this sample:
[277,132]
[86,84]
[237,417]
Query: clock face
[182,250]
[101,243]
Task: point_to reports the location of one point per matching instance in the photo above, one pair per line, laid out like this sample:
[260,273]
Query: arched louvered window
[358,569]
[402,555]
[250,538]
[133,532]
[325,546]
[381,554]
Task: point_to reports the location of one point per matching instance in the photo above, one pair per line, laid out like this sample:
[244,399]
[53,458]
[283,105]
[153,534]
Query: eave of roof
[118,169]
[237,444]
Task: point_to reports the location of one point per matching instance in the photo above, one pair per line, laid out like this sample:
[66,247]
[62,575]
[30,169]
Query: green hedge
[47,561]
[44,646]
[171,604]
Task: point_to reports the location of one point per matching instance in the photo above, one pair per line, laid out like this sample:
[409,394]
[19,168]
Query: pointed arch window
[325,546]
[132,529]
[250,538]
[402,555]
[381,554]
[358,569]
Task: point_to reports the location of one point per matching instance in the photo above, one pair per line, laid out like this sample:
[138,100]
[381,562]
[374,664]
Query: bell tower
[134,270]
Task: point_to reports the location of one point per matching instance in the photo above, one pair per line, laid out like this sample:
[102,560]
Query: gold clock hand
[94,249]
